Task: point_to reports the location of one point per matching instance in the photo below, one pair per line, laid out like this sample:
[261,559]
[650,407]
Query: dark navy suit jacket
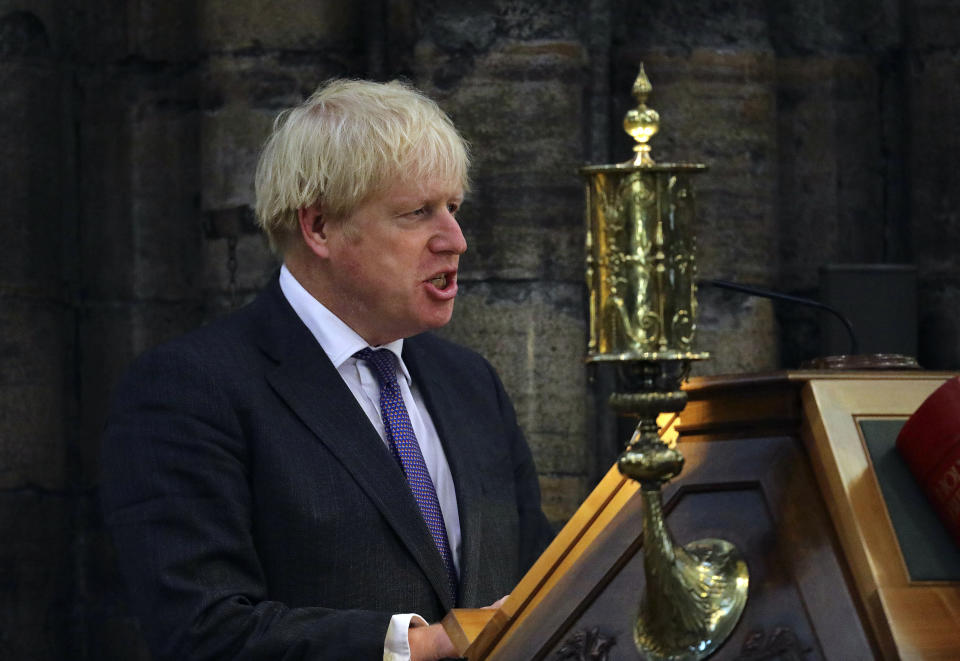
[257,514]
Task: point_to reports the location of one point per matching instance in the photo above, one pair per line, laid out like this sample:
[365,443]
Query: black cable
[777,296]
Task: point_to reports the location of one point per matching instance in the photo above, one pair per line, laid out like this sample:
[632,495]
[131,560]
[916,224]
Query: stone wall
[38,349]
[129,133]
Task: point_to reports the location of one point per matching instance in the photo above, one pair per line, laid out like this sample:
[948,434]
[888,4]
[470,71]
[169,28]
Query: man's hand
[430,643]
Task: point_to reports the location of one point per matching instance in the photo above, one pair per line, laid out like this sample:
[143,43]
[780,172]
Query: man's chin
[439,317]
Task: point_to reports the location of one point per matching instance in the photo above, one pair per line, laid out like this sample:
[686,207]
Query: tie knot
[383,363]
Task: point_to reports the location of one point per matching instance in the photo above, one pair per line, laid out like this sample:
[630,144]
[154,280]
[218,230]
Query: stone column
[137,125]
[36,335]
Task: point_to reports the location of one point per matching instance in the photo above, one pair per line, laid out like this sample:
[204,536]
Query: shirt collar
[336,338]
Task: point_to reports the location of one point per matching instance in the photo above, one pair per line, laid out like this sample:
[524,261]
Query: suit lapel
[307,381]
[458,435]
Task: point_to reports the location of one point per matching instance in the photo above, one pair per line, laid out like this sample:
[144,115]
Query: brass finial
[642,122]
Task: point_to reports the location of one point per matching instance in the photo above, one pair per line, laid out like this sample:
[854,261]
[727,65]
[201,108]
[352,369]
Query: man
[313,477]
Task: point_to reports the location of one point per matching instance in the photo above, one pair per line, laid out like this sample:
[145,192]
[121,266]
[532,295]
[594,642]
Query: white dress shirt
[340,342]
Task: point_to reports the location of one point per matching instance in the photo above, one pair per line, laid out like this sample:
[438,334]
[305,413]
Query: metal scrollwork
[588,645]
[781,645]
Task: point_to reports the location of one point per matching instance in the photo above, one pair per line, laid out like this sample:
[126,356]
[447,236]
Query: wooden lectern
[795,469]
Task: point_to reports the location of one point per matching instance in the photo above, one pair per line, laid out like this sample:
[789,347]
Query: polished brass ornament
[641,269]
[642,122]
[641,275]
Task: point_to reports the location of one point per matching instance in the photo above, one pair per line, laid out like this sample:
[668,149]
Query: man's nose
[450,237]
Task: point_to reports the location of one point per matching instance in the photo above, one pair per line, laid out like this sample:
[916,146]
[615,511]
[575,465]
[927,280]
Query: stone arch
[23,35]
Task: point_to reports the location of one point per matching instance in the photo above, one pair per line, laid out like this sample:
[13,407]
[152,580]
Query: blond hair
[350,140]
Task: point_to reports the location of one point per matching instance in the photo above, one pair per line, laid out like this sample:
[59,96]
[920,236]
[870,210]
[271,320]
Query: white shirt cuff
[396,646]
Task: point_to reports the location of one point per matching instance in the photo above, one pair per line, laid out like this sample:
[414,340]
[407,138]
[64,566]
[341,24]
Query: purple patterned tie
[406,449]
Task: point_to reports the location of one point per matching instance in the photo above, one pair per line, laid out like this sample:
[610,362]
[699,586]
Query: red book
[930,444]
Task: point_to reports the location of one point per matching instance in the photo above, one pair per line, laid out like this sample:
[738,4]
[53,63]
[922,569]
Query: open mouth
[440,282]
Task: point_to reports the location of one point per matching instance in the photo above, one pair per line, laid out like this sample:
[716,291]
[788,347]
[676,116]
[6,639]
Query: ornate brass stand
[641,272]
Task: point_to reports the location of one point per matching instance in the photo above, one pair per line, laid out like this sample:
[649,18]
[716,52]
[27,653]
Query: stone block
[461,28]
[33,383]
[139,164]
[98,30]
[164,30]
[231,139]
[939,325]
[560,496]
[534,335]
[269,80]
[806,26]
[934,178]
[677,27]
[36,566]
[738,331]
[33,450]
[800,337]
[712,103]
[931,25]
[164,188]
[104,172]
[734,238]
[540,19]
[832,181]
[255,266]
[808,231]
[502,245]
[519,105]
[32,172]
[31,28]
[861,149]
[290,25]
[110,336]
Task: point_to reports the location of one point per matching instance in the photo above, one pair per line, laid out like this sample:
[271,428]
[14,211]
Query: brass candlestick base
[694,594]
[651,387]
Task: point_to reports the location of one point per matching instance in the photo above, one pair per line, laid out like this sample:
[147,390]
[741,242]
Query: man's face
[393,261]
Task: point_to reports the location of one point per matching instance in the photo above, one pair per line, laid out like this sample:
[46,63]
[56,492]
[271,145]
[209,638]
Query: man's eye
[453,208]
[422,211]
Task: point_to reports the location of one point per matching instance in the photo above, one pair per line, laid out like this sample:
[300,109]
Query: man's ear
[313,228]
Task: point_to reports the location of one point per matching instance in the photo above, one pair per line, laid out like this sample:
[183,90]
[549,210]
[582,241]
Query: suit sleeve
[176,498]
